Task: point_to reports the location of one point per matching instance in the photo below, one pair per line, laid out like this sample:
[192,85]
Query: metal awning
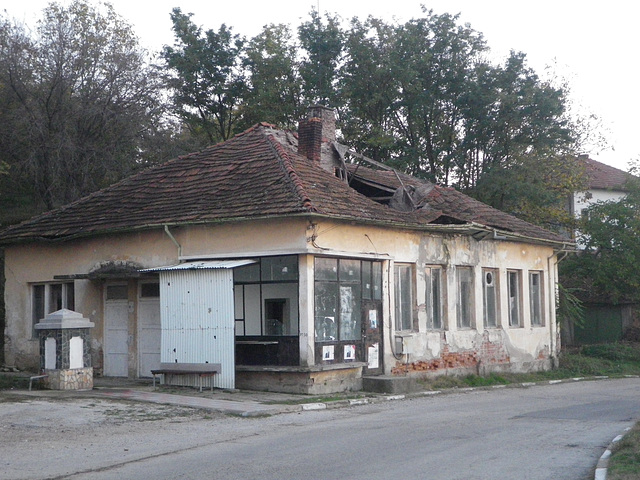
[202,265]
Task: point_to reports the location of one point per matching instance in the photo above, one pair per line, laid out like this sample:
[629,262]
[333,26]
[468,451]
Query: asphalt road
[536,433]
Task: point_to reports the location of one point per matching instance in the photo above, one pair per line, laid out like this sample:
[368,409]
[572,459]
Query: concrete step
[390,384]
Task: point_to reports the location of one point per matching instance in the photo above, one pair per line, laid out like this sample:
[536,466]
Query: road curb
[603,462]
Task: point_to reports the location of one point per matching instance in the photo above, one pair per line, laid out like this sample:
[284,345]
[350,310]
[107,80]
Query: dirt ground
[44,437]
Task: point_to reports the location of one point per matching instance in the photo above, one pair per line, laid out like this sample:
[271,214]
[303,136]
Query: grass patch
[611,360]
[13,382]
[624,463]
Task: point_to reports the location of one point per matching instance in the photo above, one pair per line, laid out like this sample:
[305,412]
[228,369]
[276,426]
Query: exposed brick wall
[310,138]
[328,117]
[492,353]
[489,353]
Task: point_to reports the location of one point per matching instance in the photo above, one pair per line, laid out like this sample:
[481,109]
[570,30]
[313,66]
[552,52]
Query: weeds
[625,460]
[12,381]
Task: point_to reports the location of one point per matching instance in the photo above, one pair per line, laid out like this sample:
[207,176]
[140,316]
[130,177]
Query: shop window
[266,297]
[434,297]
[340,287]
[466,298]
[279,269]
[490,291]
[536,299]
[515,288]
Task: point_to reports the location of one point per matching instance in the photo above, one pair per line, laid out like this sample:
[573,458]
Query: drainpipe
[173,239]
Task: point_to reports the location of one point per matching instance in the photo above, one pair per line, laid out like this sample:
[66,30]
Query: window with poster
[341,287]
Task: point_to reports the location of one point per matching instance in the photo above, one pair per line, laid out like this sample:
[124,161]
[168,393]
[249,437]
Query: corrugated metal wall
[198,321]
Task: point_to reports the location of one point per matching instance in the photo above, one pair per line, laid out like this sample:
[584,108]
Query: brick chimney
[319,126]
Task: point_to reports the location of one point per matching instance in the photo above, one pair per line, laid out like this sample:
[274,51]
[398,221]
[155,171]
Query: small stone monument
[65,355]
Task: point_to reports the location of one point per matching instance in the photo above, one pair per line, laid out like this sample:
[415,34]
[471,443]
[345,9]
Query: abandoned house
[293,262]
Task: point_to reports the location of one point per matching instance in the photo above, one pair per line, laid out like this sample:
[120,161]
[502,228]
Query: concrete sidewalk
[243,406]
[244,403]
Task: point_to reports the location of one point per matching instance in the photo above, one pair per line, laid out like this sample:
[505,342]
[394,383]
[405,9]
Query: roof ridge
[292,174]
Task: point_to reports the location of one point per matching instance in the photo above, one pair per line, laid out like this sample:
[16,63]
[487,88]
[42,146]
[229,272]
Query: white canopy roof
[202,265]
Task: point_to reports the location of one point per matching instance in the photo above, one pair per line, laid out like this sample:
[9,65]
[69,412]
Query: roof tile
[253,175]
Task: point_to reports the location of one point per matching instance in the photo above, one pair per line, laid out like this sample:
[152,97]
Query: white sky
[593,44]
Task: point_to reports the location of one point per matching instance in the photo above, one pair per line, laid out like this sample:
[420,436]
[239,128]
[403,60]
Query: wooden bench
[37,377]
[200,369]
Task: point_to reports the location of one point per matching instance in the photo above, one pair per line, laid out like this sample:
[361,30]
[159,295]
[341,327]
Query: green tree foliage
[76,101]
[423,97]
[426,92]
[369,90]
[323,43]
[207,79]
[274,85]
[607,267]
[535,187]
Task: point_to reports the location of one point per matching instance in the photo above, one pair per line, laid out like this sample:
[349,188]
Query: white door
[149,328]
[116,331]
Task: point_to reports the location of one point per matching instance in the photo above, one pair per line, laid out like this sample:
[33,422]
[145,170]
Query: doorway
[149,328]
[116,330]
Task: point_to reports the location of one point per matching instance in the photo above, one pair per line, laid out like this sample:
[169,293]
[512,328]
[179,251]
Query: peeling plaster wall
[453,350]
[450,350]
[41,262]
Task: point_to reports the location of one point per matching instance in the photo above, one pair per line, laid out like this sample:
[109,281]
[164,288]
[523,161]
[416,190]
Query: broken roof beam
[342,149]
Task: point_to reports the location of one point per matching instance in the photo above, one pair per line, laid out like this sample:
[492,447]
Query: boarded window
[536,298]
[514,287]
[404,297]
[490,297]
[434,297]
[466,298]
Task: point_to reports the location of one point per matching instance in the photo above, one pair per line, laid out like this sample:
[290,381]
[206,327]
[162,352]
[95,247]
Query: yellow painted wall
[524,347]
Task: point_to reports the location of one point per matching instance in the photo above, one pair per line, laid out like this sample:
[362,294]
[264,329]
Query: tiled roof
[254,175]
[453,204]
[250,176]
[605,177]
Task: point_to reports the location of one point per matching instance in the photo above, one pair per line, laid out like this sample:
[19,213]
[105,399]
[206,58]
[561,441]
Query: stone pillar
[65,354]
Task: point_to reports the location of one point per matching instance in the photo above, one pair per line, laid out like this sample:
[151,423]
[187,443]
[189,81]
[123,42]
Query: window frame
[403,322]
[362,278]
[38,312]
[260,280]
[492,290]
[435,298]
[467,301]
[514,302]
[539,320]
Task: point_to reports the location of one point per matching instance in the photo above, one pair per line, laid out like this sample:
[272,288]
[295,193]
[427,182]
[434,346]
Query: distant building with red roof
[605,183]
